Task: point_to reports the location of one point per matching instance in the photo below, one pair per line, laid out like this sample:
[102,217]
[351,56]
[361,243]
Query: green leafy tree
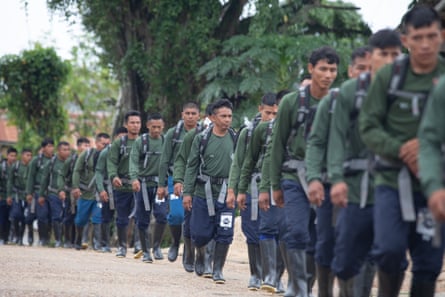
[90,93]
[30,85]
[157,48]
[274,54]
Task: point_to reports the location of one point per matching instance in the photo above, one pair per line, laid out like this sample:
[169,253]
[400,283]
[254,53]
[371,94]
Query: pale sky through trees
[20,29]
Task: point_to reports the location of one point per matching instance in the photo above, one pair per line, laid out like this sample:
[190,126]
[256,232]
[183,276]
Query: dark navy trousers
[204,228]
[394,236]
[354,238]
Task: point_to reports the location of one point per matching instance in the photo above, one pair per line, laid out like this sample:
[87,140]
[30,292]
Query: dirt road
[38,271]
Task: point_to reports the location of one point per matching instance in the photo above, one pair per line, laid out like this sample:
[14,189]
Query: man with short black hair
[287,168]
[105,191]
[144,169]
[5,204]
[247,200]
[118,171]
[84,191]
[175,217]
[37,210]
[52,191]
[205,178]
[388,124]
[16,192]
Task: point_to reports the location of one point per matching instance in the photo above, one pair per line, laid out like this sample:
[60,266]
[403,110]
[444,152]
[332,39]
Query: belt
[213,180]
[125,180]
[404,186]
[256,177]
[153,178]
[293,165]
[355,166]
[208,181]
[85,187]
[54,190]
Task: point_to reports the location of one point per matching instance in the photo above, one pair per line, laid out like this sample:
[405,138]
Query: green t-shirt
[217,159]
[385,125]
[137,159]
[345,143]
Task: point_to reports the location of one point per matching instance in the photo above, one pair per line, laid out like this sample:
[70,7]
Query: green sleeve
[113,159]
[238,157]
[373,115]
[101,170]
[61,178]
[252,156]
[191,170]
[45,180]
[31,176]
[338,135]
[79,169]
[431,137]
[280,136]
[10,180]
[134,159]
[317,141]
[182,156]
[166,157]
[265,171]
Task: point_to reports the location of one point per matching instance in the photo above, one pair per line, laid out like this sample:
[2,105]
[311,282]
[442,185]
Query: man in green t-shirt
[287,167]
[144,171]
[388,124]
[118,171]
[175,216]
[205,179]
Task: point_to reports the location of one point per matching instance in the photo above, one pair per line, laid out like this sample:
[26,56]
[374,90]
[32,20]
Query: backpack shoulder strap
[398,75]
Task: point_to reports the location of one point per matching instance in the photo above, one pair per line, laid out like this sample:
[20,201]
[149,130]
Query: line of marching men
[327,180]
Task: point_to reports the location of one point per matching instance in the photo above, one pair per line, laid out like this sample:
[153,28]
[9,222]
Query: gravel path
[38,271]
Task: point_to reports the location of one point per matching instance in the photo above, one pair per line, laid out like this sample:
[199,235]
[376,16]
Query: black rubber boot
[364,280]
[219,258]
[44,232]
[85,236]
[268,249]
[78,238]
[15,229]
[346,287]
[325,279]
[297,272]
[290,287]
[254,254]
[122,241]
[158,232]
[389,284]
[136,240]
[311,272]
[208,259]
[145,245]
[20,231]
[105,230]
[67,232]
[176,232]
[57,228]
[97,237]
[199,260]
[422,289]
[30,234]
[188,258]
[280,270]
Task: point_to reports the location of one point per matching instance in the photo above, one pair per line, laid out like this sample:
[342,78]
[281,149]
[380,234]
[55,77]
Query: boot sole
[138,255]
[268,288]
[219,281]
